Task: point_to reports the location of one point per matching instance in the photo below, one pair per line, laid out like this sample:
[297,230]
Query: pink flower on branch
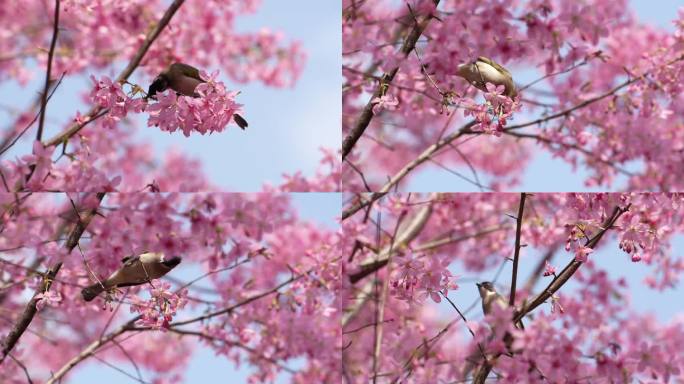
[384,102]
[582,253]
[50,298]
[158,311]
[211,111]
[549,269]
[492,115]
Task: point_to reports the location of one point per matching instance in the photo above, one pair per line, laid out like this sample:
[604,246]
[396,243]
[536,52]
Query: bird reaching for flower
[485,70]
[183,79]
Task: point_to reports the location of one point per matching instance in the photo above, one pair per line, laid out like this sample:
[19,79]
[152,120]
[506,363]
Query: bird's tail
[90,292]
[240,121]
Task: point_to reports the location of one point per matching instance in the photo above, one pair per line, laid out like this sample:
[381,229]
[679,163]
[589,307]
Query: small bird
[485,70]
[136,270]
[183,79]
[491,297]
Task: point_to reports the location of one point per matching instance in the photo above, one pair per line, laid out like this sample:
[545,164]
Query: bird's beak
[478,285]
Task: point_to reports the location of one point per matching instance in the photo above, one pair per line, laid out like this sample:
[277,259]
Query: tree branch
[555,285]
[48,277]
[367,112]
[132,65]
[411,231]
[89,350]
[516,255]
[43,101]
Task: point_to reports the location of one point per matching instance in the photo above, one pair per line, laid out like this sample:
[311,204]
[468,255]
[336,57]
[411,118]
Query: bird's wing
[187,70]
[494,64]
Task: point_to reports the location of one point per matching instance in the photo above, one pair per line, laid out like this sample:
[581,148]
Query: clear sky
[286,126]
[545,173]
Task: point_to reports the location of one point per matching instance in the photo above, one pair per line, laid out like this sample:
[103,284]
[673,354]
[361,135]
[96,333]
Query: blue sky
[544,173]
[286,126]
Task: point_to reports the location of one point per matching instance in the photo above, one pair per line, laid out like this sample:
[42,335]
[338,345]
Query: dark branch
[367,113]
[48,277]
[516,255]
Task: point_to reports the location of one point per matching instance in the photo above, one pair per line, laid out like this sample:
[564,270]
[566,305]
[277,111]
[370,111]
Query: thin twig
[23,367]
[89,350]
[43,102]
[250,350]
[516,254]
[380,307]
[9,140]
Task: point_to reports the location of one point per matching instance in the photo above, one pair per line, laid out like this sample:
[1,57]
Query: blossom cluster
[158,311]
[590,76]
[442,243]
[210,112]
[250,255]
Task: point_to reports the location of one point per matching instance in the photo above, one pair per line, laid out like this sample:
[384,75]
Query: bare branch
[413,228]
[48,277]
[43,101]
[516,255]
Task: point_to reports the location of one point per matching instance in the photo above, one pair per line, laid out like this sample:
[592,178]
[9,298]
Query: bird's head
[485,286]
[466,69]
[160,84]
[172,262]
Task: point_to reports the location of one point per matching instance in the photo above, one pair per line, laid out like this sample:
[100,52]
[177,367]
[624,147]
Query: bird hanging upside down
[183,79]
[136,270]
[485,70]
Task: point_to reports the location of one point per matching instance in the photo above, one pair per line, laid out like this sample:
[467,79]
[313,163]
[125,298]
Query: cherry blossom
[255,285]
[590,76]
[115,46]
[579,322]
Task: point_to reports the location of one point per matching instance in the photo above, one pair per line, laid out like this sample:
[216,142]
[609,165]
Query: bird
[490,297]
[183,79]
[135,270]
[485,70]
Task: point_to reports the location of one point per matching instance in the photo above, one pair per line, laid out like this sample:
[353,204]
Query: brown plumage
[485,70]
[135,270]
[183,79]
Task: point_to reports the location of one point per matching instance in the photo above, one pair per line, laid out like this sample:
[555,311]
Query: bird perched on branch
[490,298]
[485,70]
[136,270]
[183,79]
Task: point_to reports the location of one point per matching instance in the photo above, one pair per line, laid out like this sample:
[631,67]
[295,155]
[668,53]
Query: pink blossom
[210,112]
[582,253]
[384,102]
[159,310]
[549,269]
[50,298]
